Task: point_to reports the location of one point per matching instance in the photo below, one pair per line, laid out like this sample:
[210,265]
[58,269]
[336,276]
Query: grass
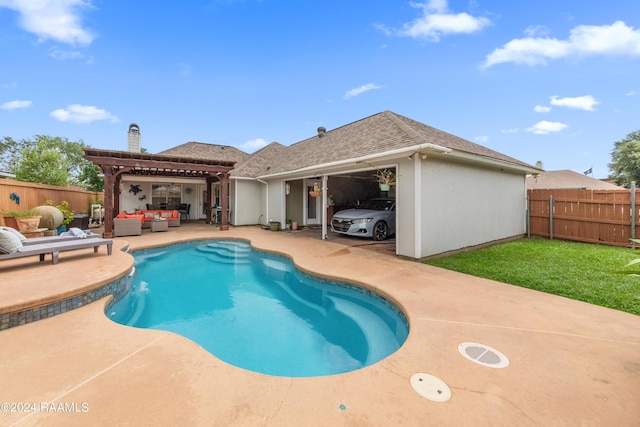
[574,270]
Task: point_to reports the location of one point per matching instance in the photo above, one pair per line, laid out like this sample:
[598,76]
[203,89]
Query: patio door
[203,201]
[201,211]
[313,205]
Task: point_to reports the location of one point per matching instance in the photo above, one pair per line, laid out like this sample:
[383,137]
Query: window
[166,194]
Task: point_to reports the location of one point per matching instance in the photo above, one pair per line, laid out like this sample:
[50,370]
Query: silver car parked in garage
[375,218]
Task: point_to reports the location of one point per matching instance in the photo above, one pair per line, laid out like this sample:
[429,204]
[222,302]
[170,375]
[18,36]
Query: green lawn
[575,270]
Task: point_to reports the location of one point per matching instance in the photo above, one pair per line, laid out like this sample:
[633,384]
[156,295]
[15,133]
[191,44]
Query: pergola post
[209,200]
[116,194]
[109,181]
[224,203]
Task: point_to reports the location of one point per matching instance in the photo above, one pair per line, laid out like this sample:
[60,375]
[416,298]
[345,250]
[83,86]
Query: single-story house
[450,193]
[567,179]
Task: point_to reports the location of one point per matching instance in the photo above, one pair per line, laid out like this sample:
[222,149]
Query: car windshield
[376,204]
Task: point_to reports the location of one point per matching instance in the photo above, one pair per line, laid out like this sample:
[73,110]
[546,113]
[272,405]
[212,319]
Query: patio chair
[184,210]
[54,248]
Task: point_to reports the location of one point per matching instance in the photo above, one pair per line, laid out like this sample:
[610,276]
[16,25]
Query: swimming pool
[256,311]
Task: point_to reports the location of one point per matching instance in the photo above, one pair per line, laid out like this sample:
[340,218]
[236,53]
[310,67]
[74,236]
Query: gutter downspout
[266,210]
[324,206]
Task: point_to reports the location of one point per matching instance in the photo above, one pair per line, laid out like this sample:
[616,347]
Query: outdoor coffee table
[159,225]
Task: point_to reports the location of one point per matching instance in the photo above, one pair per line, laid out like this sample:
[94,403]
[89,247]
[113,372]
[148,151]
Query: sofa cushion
[167,214]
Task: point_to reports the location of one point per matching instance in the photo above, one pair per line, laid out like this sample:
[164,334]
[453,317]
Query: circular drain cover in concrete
[430,387]
[483,355]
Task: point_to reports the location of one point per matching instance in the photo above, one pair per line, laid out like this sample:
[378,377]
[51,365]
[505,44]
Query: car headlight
[361,220]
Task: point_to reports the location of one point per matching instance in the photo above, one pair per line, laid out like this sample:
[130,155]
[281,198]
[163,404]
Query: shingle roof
[200,150]
[374,134]
[567,179]
[259,162]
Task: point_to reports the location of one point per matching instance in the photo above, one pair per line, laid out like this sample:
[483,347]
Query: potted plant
[316,192]
[67,214]
[386,179]
[22,221]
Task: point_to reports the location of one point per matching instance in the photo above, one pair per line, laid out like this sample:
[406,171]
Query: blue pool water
[257,311]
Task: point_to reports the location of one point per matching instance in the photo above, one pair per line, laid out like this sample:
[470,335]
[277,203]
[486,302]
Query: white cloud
[360,90]
[77,113]
[15,105]
[512,130]
[65,54]
[58,20]
[536,30]
[437,21]
[586,102]
[584,40]
[544,127]
[541,109]
[633,93]
[254,145]
[482,139]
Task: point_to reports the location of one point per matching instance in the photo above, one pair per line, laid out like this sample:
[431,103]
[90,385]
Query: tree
[50,160]
[625,160]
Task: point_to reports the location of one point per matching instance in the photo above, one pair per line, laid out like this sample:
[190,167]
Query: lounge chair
[54,248]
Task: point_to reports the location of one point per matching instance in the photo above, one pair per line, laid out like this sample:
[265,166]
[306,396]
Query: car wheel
[380,231]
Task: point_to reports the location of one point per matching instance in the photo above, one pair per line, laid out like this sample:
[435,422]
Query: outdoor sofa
[127,225]
[173,216]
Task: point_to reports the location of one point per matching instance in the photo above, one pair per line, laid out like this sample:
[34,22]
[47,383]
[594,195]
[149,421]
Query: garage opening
[361,212]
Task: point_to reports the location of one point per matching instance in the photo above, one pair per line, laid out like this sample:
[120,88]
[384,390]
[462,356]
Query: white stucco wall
[248,202]
[406,234]
[276,201]
[465,205]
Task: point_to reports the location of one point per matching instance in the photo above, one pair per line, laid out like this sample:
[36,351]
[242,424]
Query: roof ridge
[413,134]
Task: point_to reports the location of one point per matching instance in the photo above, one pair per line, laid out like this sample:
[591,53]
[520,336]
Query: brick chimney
[133,139]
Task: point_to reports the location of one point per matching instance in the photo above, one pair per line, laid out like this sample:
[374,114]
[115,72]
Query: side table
[159,225]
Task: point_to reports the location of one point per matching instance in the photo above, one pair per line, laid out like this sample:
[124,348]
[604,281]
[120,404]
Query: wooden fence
[32,195]
[608,217]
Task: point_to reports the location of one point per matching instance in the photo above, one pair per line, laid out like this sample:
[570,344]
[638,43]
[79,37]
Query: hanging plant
[316,191]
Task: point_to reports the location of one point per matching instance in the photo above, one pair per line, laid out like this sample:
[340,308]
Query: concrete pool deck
[571,363]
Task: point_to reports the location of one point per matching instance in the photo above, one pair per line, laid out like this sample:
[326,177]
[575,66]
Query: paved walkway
[571,363]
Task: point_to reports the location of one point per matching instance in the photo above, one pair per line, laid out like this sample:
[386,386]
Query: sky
[546,80]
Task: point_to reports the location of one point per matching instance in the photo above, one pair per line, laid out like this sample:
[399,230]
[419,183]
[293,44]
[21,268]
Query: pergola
[116,163]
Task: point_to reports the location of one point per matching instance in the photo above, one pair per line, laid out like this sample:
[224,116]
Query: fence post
[528,223]
[551,217]
[633,213]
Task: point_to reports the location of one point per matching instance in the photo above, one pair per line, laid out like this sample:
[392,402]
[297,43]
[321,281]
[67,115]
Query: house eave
[386,155]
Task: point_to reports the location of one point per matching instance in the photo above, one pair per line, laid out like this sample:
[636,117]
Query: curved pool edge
[97,277]
[367,290]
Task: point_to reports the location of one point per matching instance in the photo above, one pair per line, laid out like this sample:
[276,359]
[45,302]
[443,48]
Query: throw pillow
[18,234]
[167,214]
[9,242]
